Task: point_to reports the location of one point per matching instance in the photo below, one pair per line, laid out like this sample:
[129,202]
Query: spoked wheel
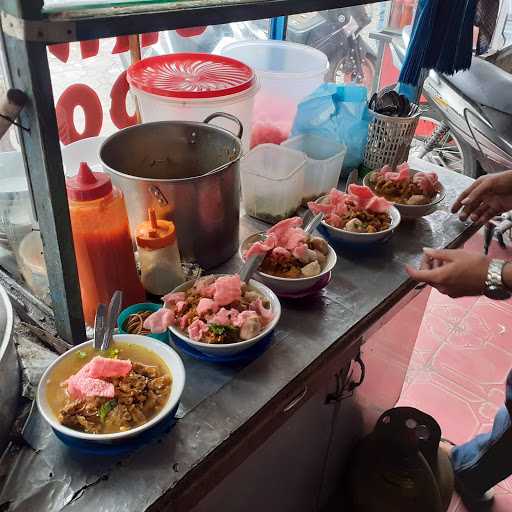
[447,152]
[340,75]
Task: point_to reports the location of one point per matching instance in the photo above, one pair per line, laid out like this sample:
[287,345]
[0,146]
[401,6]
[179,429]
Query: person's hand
[487,197]
[456,273]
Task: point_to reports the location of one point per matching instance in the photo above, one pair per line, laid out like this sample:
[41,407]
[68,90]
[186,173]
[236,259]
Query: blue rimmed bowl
[284,286]
[413,211]
[137,308]
[338,235]
[231,349]
[70,436]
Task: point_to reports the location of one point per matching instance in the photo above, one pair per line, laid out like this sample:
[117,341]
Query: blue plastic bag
[338,112]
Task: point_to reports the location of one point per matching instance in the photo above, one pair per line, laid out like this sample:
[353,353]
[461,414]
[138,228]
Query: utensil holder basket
[389,140]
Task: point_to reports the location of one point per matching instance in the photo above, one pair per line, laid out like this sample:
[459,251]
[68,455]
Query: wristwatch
[494,287]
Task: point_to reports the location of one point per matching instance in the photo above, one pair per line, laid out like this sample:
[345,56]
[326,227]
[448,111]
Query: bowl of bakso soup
[108,396]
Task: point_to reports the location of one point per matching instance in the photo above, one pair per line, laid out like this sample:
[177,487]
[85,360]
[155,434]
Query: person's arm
[506,276]
[485,197]
[456,273]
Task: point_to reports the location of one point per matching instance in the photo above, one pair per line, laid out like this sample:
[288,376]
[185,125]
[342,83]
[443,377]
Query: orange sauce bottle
[103,245]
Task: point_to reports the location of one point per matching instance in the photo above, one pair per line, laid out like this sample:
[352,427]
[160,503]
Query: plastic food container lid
[88,185]
[155,233]
[191,75]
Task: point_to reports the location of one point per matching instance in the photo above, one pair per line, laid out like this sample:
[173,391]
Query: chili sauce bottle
[103,245]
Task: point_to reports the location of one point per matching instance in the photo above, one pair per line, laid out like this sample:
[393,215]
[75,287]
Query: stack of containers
[324,160]
[33,267]
[287,72]
[272,182]
[15,212]
[277,179]
[191,86]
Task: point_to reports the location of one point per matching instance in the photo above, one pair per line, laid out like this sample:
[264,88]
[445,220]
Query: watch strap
[494,274]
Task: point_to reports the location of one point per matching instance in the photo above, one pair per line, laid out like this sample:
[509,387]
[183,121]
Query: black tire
[369,68]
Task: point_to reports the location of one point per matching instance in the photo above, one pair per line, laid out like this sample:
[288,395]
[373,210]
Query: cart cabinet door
[385,357]
[387,354]
[347,429]
[285,473]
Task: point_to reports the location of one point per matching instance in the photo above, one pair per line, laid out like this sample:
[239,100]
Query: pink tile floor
[461,359]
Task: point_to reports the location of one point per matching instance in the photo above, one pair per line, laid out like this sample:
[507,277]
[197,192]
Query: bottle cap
[155,233]
[88,185]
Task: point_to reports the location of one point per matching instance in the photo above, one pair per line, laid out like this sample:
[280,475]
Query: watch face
[495,293]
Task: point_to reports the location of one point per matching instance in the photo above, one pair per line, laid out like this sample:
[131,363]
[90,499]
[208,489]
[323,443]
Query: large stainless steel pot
[9,370]
[168,166]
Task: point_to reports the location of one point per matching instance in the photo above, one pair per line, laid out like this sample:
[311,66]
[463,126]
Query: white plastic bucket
[192,86]
[287,72]
[159,108]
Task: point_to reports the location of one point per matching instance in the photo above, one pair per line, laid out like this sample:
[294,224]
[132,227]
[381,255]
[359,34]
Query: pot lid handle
[227,116]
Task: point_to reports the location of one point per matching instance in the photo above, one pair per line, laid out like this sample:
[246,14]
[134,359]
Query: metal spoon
[99,326]
[250,266]
[114,309]
[352,179]
[253,263]
[314,223]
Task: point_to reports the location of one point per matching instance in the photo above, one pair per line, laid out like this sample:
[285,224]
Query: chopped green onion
[112,353]
[81,354]
[219,330]
[106,408]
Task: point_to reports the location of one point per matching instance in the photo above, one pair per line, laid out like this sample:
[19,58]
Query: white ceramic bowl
[341,235]
[230,349]
[166,353]
[408,211]
[287,285]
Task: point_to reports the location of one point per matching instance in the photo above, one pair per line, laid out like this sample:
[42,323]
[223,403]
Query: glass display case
[57,45]
[342,34]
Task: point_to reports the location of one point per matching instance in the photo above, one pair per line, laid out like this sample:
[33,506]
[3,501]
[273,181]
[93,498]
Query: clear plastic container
[324,161]
[159,257]
[15,212]
[16,219]
[33,266]
[192,86]
[287,72]
[272,182]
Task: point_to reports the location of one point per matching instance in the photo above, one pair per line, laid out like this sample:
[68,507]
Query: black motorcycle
[337,33]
